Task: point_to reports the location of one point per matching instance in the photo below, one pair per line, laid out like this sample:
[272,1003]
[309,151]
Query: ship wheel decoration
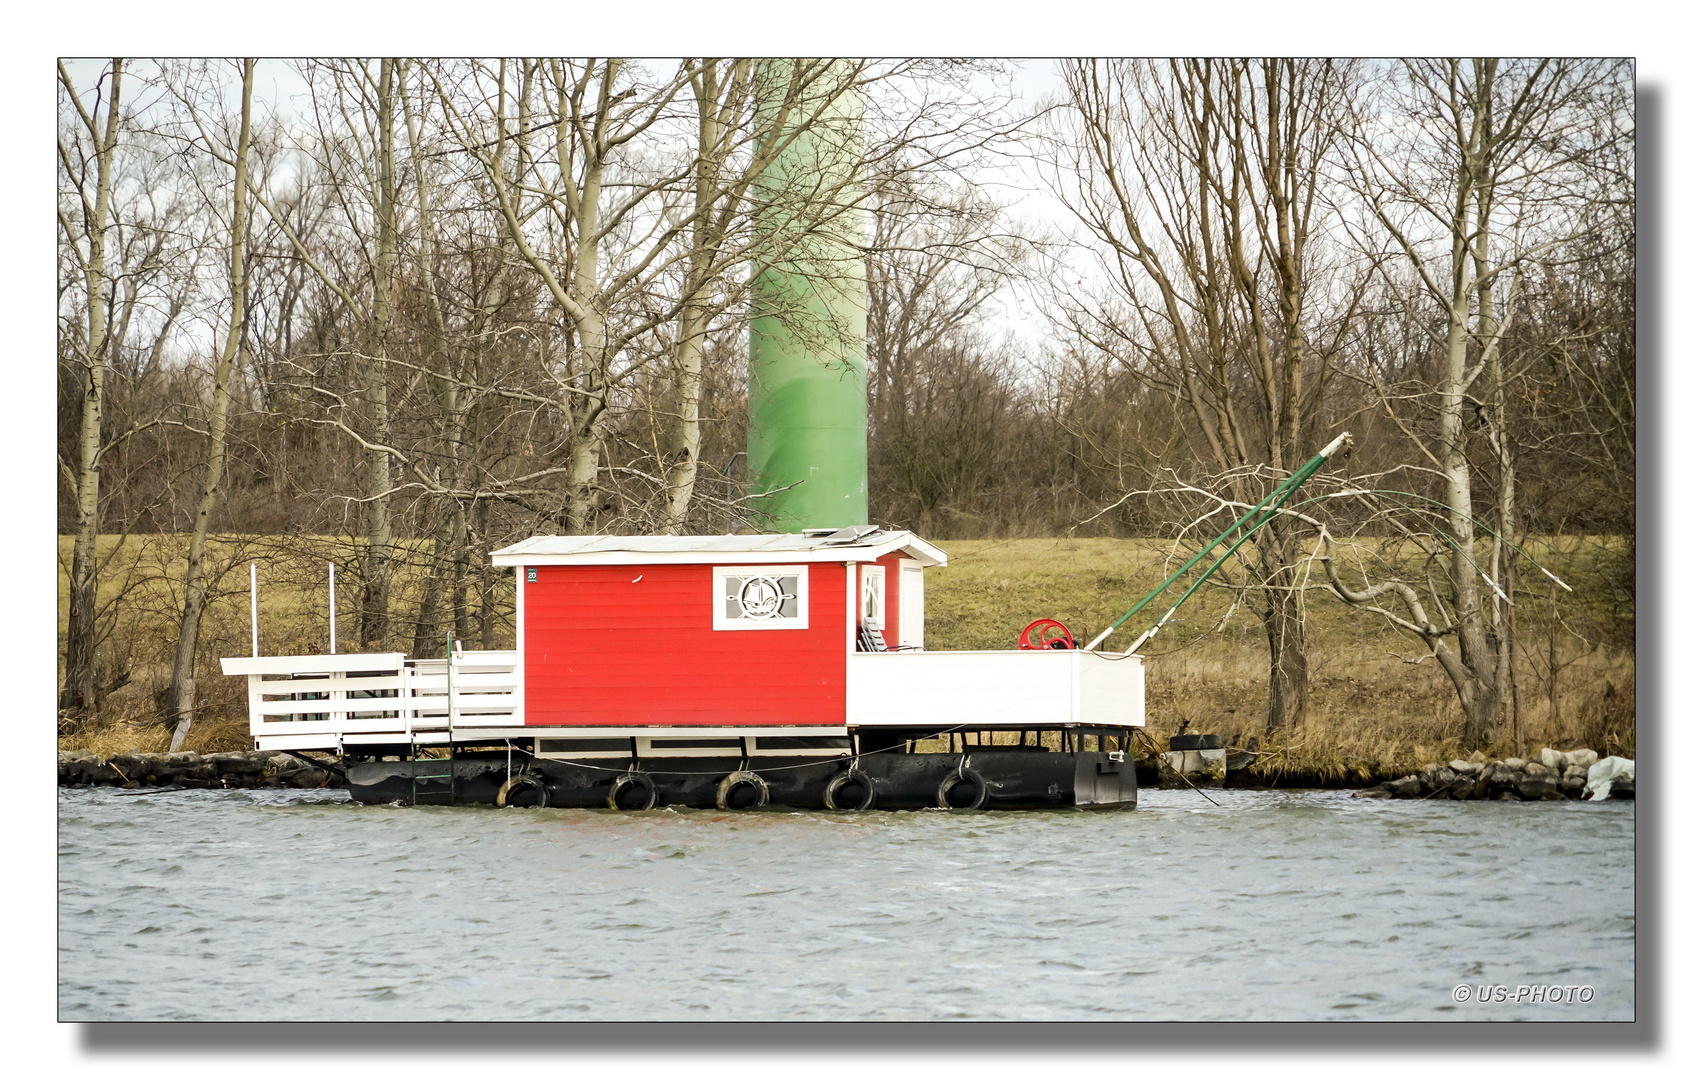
[1046,634]
[762,597]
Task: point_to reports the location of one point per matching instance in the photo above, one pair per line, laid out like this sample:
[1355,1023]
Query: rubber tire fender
[958,776]
[522,780]
[628,780]
[841,780]
[735,780]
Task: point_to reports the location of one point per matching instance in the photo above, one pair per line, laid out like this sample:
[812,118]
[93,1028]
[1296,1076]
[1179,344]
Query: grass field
[1378,702]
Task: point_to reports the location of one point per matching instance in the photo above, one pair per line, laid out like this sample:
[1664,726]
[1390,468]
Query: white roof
[863,544]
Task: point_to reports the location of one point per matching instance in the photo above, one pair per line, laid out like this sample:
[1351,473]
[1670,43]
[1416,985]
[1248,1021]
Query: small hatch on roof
[852,534]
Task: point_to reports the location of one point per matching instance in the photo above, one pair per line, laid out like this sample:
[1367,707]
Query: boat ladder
[426,772]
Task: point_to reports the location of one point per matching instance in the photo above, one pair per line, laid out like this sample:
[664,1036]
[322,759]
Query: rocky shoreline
[241,769]
[1574,774]
[1551,774]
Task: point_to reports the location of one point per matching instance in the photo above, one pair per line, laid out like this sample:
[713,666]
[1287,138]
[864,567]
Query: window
[872,580]
[759,598]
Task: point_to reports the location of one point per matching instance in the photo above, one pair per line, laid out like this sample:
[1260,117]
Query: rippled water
[250,905]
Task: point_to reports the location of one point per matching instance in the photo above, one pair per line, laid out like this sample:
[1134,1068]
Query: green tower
[806,403]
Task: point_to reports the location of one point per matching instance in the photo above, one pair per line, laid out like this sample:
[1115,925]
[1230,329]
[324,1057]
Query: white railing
[300,702]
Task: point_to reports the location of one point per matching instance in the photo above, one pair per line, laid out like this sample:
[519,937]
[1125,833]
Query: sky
[282,90]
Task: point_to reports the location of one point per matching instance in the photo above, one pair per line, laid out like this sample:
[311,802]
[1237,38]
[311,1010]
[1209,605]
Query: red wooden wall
[890,596]
[601,648]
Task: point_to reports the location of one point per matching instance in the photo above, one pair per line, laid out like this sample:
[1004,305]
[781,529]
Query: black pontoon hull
[1008,779]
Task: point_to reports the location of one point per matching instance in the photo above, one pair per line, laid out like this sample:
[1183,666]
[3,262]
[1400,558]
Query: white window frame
[867,573]
[802,597]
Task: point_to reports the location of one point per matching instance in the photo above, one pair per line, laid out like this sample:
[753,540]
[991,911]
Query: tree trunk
[1284,623]
[447,559]
[588,407]
[179,701]
[379,535]
[426,629]
[685,442]
[1476,658]
[696,313]
[461,573]
[1284,626]
[485,580]
[81,692]
[1504,574]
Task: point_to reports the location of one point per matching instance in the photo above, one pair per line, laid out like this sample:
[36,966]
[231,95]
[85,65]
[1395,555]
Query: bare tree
[363,183]
[80,690]
[180,696]
[1201,184]
[129,242]
[1477,171]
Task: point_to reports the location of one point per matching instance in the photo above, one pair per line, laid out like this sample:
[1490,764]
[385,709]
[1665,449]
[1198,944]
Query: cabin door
[910,605]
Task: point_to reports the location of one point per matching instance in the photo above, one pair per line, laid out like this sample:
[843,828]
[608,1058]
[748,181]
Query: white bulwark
[995,688]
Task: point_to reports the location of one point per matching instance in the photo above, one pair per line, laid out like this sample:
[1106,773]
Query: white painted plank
[273,687]
[295,742]
[334,663]
[1113,689]
[943,689]
[325,727]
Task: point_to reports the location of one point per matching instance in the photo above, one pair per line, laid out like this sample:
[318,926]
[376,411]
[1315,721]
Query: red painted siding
[601,648]
[890,597]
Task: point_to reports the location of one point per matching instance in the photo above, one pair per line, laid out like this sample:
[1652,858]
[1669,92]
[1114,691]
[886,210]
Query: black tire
[632,791]
[962,789]
[733,792]
[839,794]
[522,782]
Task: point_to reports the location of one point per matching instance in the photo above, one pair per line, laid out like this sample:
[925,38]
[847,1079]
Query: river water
[296,905]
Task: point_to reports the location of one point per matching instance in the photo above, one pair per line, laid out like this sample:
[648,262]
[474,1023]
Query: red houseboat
[716,671]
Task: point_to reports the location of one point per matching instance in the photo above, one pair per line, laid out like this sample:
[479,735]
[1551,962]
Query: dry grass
[209,735]
[1378,704]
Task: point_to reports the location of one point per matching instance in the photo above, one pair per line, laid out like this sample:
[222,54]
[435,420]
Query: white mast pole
[253,577]
[332,607]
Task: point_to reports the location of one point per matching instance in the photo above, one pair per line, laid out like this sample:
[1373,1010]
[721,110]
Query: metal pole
[253,578]
[332,607]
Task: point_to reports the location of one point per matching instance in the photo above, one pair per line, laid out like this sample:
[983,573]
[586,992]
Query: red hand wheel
[1046,634]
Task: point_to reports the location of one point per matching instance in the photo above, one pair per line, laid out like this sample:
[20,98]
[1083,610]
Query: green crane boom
[1250,523]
